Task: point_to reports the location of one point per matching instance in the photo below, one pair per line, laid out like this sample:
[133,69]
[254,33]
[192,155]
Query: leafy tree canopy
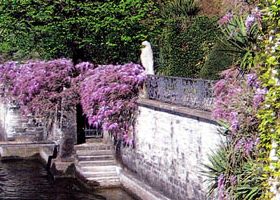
[99,31]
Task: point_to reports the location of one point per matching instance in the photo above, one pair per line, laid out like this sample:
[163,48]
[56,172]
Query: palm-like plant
[242,176]
[250,182]
[242,38]
[180,8]
[218,164]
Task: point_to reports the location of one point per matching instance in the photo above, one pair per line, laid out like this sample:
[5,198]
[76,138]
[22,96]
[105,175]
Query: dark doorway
[84,129]
[81,120]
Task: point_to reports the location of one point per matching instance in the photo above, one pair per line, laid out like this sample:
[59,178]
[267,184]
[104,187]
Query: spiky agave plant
[180,8]
[218,164]
[249,181]
[231,176]
[241,34]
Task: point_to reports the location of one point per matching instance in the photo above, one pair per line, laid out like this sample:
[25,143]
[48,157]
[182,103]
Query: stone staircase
[95,163]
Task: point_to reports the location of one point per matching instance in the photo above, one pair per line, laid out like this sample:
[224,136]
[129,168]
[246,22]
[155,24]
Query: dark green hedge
[184,45]
[219,59]
[99,31]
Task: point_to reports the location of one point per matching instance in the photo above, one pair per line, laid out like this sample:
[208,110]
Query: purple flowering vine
[254,17]
[252,80]
[108,93]
[250,20]
[259,97]
[221,187]
[246,145]
[226,18]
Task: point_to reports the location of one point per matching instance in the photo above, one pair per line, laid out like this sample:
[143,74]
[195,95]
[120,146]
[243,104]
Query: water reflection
[28,180]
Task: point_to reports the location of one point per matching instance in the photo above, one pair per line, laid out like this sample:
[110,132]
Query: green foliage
[258,50]
[242,39]
[180,8]
[219,59]
[184,45]
[217,165]
[250,181]
[242,182]
[99,31]
[268,68]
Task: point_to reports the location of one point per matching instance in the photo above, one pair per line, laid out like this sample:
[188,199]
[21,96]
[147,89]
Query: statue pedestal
[143,93]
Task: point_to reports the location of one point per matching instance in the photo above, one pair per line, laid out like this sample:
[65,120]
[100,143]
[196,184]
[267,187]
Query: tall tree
[99,31]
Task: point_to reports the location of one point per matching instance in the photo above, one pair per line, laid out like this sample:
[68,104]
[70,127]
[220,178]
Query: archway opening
[85,131]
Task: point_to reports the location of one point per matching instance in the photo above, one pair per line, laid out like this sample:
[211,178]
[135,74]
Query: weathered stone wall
[68,127]
[21,128]
[171,145]
[16,127]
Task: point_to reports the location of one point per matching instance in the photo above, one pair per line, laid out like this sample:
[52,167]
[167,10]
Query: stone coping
[7,143]
[199,115]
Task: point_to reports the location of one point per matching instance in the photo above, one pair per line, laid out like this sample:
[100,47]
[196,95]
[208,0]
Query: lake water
[29,180]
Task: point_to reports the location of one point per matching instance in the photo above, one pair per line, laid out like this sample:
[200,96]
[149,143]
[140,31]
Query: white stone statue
[146,57]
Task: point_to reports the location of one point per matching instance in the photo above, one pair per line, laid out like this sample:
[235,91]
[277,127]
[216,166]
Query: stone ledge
[37,144]
[199,115]
[138,188]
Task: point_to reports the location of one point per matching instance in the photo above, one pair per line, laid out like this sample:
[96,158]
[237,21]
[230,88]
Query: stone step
[103,179]
[97,162]
[94,152]
[101,175]
[98,168]
[94,147]
[108,182]
[94,157]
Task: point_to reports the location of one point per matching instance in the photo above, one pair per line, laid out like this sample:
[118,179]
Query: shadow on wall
[2,134]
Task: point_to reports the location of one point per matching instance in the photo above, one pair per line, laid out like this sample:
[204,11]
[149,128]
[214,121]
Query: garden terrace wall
[23,129]
[171,144]
[16,127]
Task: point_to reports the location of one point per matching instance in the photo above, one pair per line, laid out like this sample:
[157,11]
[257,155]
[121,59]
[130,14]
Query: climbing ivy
[268,68]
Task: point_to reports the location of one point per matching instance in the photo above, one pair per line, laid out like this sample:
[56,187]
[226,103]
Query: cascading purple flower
[257,13]
[108,93]
[226,18]
[254,17]
[250,20]
[247,145]
[221,187]
[233,120]
[39,86]
[109,96]
[84,67]
[252,80]
[233,180]
[259,97]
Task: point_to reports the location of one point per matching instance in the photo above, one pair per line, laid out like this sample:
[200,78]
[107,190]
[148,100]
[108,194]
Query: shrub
[39,86]
[97,31]
[180,8]
[234,171]
[184,45]
[219,59]
[109,95]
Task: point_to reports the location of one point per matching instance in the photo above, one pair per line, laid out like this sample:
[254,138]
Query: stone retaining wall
[16,127]
[15,150]
[171,144]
